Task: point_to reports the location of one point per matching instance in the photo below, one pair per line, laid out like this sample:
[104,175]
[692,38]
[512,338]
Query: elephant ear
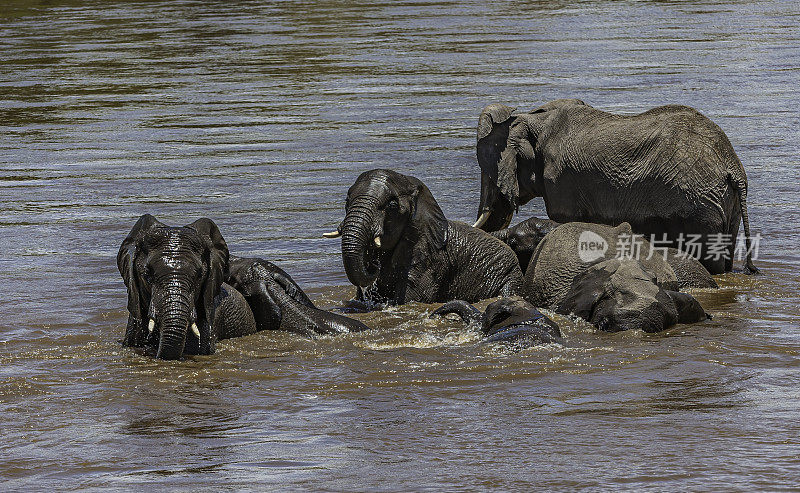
[588,289]
[507,180]
[492,115]
[427,218]
[126,262]
[493,127]
[217,256]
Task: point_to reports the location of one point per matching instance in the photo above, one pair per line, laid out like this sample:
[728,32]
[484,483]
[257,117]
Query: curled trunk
[174,323]
[492,202]
[357,240]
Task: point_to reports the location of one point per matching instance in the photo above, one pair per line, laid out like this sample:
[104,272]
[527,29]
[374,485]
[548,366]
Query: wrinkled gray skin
[669,170]
[688,270]
[617,294]
[524,237]
[612,293]
[507,320]
[174,277]
[422,256]
[278,303]
[557,261]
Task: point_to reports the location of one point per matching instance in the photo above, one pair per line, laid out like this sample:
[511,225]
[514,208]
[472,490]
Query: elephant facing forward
[177,299]
[397,243]
[668,171]
[180,302]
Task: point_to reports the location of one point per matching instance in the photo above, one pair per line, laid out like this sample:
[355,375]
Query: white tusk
[151,326]
[482,219]
[332,234]
[378,241]
[508,221]
[196,331]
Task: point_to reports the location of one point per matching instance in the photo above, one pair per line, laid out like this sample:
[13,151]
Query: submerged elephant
[177,300]
[524,237]
[585,269]
[507,320]
[279,303]
[397,243]
[669,170]
[618,294]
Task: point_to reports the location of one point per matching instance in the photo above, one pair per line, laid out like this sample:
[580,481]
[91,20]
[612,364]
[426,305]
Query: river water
[260,117]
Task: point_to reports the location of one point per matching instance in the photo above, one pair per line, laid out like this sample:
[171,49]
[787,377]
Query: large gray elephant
[177,299]
[588,270]
[397,243]
[669,170]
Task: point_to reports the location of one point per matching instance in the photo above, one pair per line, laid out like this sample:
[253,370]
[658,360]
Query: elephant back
[571,248]
[689,271]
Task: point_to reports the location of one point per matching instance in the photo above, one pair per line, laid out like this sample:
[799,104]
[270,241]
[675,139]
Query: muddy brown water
[260,117]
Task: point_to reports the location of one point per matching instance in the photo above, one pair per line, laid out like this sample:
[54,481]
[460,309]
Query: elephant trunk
[494,210]
[176,310]
[358,234]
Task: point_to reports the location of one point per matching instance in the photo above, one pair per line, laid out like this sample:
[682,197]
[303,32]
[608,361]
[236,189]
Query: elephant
[668,171]
[397,243]
[588,270]
[618,294]
[177,298]
[507,320]
[524,237]
[278,302]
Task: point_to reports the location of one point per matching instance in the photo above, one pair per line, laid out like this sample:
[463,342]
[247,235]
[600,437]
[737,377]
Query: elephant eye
[393,204]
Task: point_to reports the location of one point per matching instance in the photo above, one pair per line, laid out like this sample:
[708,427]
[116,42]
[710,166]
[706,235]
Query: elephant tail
[740,185]
[468,313]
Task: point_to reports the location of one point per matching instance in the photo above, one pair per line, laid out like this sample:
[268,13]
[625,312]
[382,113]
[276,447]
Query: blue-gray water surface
[259,116]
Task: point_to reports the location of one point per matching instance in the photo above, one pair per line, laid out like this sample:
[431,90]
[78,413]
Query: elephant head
[173,275]
[507,158]
[618,294]
[509,320]
[385,211]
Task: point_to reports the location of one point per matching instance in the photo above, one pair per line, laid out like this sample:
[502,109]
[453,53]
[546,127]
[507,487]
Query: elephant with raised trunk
[177,299]
[668,171]
[399,247]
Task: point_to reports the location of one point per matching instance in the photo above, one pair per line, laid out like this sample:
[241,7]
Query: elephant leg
[308,321]
[268,314]
[232,316]
[291,288]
